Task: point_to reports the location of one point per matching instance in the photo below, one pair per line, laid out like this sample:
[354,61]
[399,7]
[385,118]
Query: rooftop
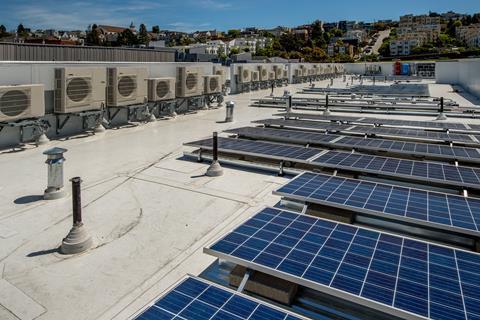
[150,212]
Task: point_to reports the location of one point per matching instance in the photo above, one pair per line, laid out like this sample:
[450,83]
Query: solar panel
[348,128]
[195,298]
[403,277]
[421,171]
[419,207]
[417,170]
[321,126]
[416,134]
[256,148]
[389,122]
[430,151]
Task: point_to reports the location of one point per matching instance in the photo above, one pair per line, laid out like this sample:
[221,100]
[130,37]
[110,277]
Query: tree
[21,30]
[127,38]
[233,34]
[234,51]
[317,34]
[93,35]
[3,31]
[155,29]
[143,35]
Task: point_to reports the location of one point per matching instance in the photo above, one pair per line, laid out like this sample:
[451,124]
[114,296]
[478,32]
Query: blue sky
[191,15]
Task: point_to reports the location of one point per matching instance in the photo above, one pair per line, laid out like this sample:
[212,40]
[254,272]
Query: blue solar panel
[348,128]
[431,151]
[433,209]
[259,148]
[198,299]
[414,134]
[417,170]
[397,275]
[388,122]
[316,125]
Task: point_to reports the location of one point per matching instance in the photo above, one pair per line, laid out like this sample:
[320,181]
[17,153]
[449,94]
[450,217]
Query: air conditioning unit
[79,89]
[126,86]
[189,81]
[160,89]
[255,76]
[220,71]
[263,73]
[285,74]
[304,70]
[297,73]
[212,84]
[271,75]
[278,72]
[244,75]
[21,102]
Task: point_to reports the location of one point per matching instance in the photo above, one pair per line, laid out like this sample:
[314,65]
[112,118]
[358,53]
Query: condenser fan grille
[162,89]
[246,73]
[14,102]
[213,84]
[127,85]
[78,89]
[264,73]
[191,81]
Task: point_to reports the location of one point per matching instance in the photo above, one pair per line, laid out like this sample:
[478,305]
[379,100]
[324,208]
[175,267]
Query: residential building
[110,33]
[404,46]
[346,25]
[301,33]
[359,35]
[345,48]
[469,35]
[248,44]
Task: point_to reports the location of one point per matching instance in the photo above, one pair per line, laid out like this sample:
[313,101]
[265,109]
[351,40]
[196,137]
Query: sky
[192,15]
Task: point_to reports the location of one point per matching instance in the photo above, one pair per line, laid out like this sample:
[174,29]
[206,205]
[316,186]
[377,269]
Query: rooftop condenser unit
[79,89]
[21,102]
[263,73]
[255,76]
[220,71]
[126,86]
[212,84]
[285,74]
[160,89]
[271,75]
[278,71]
[244,75]
[189,81]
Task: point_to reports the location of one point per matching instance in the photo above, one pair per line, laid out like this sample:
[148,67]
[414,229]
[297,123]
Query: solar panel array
[322,126]
[272,150]
[448,175]
[417,134]
[436,210]
[397,275]
[198,299]
[419,170]
[432,151]
[389,122]
[348,128]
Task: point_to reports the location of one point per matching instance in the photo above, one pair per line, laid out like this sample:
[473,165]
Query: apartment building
[404,46]
[470,35]
[249,44]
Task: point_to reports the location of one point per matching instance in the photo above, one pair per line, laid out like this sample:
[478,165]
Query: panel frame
[212,284]
[311,284]
[387,217]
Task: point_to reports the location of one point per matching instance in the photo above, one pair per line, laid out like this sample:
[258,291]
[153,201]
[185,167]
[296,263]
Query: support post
[441,115]
[215,170]
[327,107]
[77,240]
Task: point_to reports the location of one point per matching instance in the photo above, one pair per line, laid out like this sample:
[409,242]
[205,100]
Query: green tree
[317,34]
[155,29]
[93,35]
[233,34]
[234,51]
[21,30]
[3,31]
[143,35]
[126,38]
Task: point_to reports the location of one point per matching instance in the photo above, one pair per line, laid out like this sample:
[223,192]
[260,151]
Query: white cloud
[187,26]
